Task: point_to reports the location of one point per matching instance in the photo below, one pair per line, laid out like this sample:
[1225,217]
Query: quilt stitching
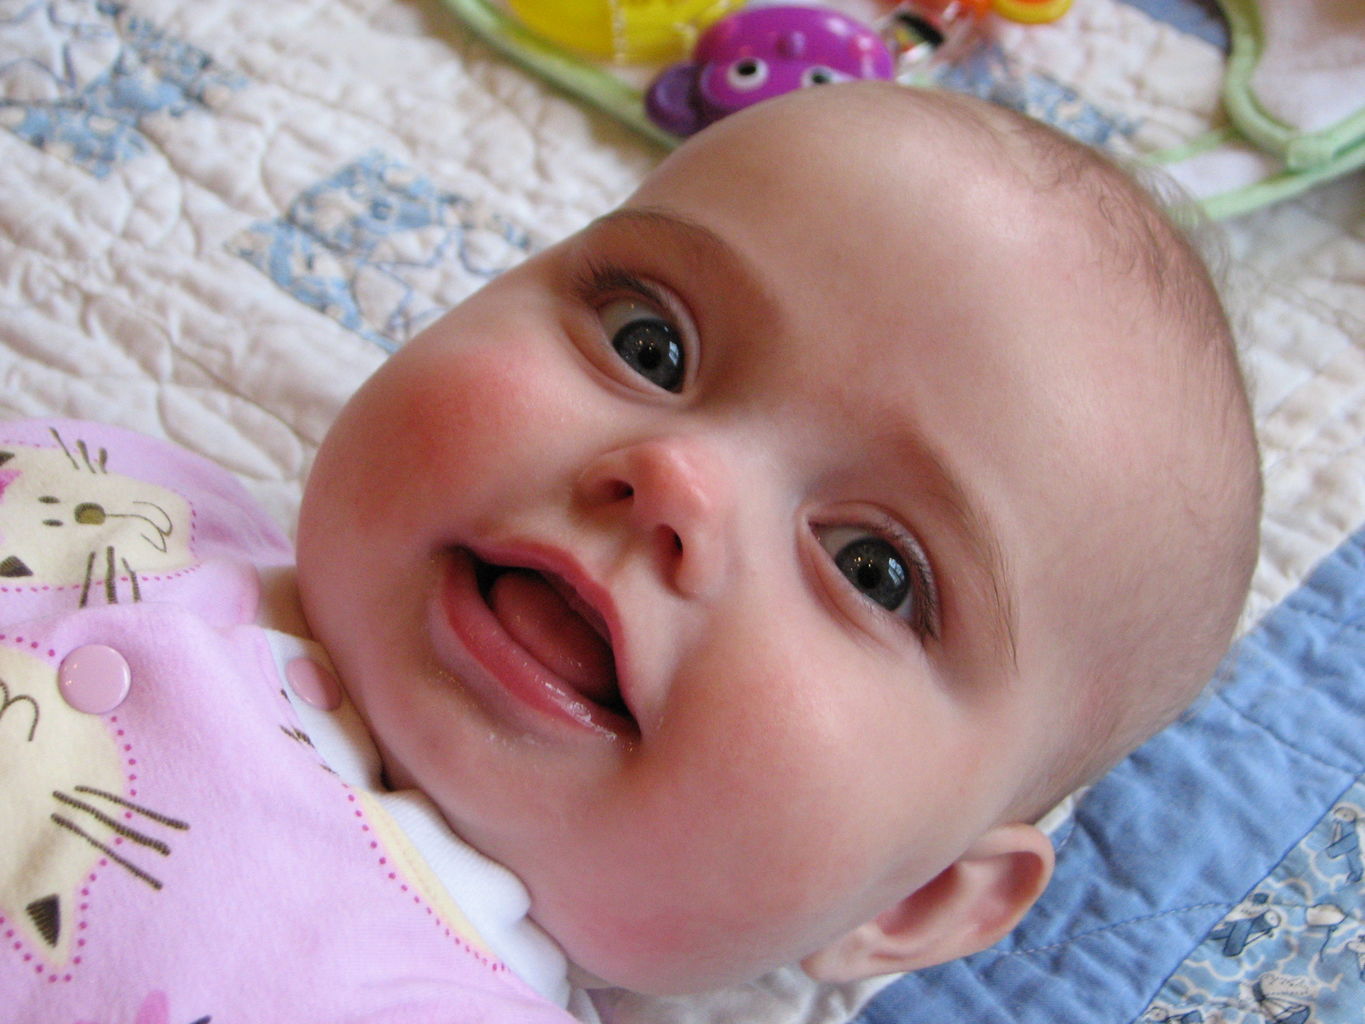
[1347,621]
[1332,320]
[1342,627]
[1283,741]
[1071,940]
[1310,442]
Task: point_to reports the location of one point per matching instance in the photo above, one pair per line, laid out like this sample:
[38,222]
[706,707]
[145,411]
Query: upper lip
[579,588]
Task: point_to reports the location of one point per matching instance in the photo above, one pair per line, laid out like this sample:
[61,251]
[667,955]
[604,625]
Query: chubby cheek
[464,412]
[467,410]
[759,834]
[443,434]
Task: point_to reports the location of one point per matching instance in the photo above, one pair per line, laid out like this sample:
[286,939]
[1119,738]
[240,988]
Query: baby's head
[748,571]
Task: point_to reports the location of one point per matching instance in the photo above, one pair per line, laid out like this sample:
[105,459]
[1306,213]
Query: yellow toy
[1031,12]
[622,30]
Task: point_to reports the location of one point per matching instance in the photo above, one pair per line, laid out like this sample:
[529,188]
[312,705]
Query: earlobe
[969,906]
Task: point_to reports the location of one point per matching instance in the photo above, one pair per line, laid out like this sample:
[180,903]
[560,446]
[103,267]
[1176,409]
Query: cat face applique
[67,808]
[71,525]
[67,521]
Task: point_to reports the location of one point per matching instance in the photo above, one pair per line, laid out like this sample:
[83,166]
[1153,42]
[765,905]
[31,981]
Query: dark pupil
[747,68]
[651,349]
[820,77]
[873,566]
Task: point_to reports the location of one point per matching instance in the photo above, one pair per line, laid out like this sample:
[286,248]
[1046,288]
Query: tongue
[539,618]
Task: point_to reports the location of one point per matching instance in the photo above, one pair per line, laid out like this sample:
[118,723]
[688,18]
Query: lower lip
[473,644]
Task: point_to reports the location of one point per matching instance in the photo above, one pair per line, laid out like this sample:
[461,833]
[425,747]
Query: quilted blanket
[217,218]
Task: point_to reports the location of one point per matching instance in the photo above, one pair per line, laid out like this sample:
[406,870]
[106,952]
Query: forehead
[875,217]
[929,246]
[901,264]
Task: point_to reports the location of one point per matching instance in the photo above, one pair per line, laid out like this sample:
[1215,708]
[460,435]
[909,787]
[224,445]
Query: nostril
[669,542]
[606,490]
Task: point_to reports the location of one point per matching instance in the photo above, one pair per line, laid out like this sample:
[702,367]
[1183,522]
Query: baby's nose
[676,495]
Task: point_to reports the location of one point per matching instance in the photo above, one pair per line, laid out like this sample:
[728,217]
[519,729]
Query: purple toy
[762,52]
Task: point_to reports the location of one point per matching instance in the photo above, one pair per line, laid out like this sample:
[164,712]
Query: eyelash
[600,279]
[600,283]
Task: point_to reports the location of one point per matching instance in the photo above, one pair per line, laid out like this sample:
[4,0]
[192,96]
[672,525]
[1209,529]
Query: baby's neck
[280,608]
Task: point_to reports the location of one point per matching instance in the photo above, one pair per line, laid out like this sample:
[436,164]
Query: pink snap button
[314,684]
[94,679]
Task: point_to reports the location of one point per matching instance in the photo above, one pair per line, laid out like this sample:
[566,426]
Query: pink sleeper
[192,823]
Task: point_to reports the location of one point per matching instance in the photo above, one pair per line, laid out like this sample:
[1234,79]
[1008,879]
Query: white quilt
[216,217]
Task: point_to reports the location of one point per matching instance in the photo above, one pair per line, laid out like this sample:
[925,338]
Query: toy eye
[817,76]
[747,74]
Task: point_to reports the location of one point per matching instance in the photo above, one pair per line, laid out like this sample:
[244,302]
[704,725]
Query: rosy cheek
[444,397]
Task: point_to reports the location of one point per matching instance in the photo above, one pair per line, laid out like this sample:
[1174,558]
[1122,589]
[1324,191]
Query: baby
[749,572]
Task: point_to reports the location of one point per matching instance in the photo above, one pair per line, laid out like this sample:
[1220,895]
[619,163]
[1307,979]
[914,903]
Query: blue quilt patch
[1293,951]
[1216,875]
[361,246]
[989,73]
[1199,18]
[79,80]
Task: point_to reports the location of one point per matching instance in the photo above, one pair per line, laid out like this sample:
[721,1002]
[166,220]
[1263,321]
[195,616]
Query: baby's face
[713,569]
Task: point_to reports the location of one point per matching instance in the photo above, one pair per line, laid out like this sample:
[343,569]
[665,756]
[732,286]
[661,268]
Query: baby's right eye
[645,341]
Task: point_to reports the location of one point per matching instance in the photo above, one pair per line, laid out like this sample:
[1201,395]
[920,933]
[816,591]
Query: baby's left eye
[889,568]
[646,342]
[876,570]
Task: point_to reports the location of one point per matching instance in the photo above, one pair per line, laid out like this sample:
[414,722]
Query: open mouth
[564,636]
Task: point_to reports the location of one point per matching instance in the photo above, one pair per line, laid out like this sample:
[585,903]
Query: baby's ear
[970,905]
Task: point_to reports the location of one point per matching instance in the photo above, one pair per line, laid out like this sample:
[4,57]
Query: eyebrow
[702,239]
[969,517]
[974,525]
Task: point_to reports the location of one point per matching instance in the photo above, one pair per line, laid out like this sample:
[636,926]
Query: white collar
[495,901]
